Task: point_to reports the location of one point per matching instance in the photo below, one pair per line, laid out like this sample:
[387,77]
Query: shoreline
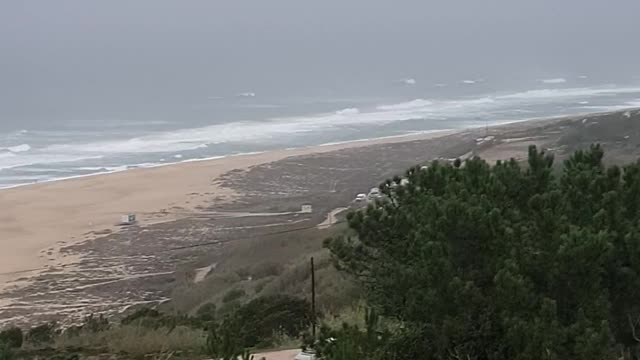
[372,141]
[47,216]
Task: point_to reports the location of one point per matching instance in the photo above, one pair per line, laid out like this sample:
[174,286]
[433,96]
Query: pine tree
[505,261]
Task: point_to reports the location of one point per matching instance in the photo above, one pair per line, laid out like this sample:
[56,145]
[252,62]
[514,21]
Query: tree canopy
[507,261]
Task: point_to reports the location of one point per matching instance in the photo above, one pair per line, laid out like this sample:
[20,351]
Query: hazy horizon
[102,85]
[78,59]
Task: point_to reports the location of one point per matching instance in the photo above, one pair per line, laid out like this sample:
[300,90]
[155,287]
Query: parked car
[374,193]
[360,197]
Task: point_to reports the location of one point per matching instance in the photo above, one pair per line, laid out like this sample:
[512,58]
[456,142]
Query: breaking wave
[554,81]
[192,143]
[179,141]
[17,148]
[349,111]
[413,104]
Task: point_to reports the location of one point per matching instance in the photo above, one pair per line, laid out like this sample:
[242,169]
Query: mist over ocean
[90,88]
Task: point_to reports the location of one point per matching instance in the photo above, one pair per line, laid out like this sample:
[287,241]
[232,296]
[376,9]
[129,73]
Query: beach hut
[128,219]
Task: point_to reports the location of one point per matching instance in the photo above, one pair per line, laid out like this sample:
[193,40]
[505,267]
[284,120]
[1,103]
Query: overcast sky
[115,49]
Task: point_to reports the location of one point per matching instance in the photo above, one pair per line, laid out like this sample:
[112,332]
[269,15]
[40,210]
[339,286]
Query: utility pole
[486,127]
[313,300]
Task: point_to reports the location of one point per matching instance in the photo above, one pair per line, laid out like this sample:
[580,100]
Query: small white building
[128,219]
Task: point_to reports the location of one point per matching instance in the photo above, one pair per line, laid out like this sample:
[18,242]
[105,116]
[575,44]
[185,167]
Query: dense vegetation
[503,262]
[258,323]
[456,261]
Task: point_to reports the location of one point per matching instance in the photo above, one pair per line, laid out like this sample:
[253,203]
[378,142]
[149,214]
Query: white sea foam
[181,141]
[560,94]
[349,111]
[37,170]
[409,81]
[247,94]
[583,77]
[554,81]
[115,169]
[13,161]
[52,179]
[17,148]
[24,178]
[101,168]
[605,107]
[413,104]
[468,82]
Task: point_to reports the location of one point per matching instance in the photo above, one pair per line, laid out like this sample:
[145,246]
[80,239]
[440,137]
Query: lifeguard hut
[128,219]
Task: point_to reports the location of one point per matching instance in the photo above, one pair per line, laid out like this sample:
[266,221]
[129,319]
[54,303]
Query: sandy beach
[65,256]
[37,219]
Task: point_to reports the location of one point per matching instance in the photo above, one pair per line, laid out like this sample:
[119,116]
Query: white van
[360,197]
[374,193]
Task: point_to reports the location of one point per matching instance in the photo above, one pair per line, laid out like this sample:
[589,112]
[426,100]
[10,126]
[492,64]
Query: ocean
[39,149]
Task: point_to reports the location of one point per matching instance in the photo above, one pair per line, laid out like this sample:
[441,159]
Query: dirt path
[278,355]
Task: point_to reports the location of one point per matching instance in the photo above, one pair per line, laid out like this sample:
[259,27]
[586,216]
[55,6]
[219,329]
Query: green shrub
[91,324]
[95,323]
[136,341]
[335,291]
[233,294]
[206,315]
[42,334]
[142,313]
[223,341]
[228,308]
[153,319]
[266,269]
[260,320]
[12,337]
[260,284]
[350,342]
[6,353]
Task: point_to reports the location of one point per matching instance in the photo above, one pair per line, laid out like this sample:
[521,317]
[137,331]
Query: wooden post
[313,300]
